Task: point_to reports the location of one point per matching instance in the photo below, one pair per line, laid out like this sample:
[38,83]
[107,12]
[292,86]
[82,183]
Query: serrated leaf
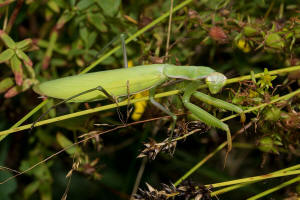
[24,44]
[8,41]
[6,55]
[16,67]
[109,7]
[5,84]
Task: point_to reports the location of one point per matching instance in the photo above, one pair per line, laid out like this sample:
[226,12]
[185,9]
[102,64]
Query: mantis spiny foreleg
[220,104]
[202,114]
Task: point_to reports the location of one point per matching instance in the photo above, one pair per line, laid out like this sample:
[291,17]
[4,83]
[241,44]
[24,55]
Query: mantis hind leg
[162,108]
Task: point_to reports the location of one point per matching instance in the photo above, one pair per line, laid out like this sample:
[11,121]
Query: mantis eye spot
[215,82]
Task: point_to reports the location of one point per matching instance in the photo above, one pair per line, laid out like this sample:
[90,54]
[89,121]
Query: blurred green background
[44,40]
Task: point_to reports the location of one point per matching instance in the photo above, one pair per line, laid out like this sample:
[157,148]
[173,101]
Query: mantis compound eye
[215,82]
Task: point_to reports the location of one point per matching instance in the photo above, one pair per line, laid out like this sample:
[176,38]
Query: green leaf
[31,189]
[16,67]
[84,4]
[8,41]
[64,142]
[6,55]
[53,6]
[109,7]
[27,61]
[9,187]
[250,31]
[84,35]
[91,39]
[24,44]
[97,21]
[5,84]
[275,41]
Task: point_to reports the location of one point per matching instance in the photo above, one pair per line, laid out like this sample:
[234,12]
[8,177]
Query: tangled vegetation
[122,150]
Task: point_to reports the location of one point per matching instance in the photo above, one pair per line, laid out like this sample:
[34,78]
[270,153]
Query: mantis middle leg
[162,108]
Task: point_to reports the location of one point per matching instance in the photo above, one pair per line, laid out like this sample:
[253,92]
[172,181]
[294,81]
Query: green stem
[25,117]
[278,187]
[199,164]
[45,44]
[29,114]
[160,95]
[254,178]
[230,188]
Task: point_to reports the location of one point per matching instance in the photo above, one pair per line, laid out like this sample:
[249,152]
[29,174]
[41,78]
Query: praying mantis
[123,82]
[115,83]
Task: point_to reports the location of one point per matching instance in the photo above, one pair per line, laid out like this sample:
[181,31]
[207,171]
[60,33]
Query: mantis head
[215,82]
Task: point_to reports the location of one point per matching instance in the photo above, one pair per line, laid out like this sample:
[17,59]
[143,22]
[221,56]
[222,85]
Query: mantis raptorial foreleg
[202,114]
[220,104]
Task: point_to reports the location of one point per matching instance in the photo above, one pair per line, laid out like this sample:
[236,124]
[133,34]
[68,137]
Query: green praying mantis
[126,81]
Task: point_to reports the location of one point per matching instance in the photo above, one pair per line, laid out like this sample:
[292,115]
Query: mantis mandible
[115,83]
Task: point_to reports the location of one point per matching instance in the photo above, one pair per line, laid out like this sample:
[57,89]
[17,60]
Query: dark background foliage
[56,38]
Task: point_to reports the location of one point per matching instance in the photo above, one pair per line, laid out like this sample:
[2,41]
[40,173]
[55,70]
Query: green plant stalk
[25,117]
[49,51]
[199,164]
[45,44]
[132,37]
[84,112]
[160,95]
[230,188]
[28,115]
[138,33]
[254,178]
[278,187]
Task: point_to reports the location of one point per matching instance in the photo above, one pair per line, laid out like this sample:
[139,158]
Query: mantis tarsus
[115,83]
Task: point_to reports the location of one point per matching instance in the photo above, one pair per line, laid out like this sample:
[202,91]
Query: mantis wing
[117,82]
